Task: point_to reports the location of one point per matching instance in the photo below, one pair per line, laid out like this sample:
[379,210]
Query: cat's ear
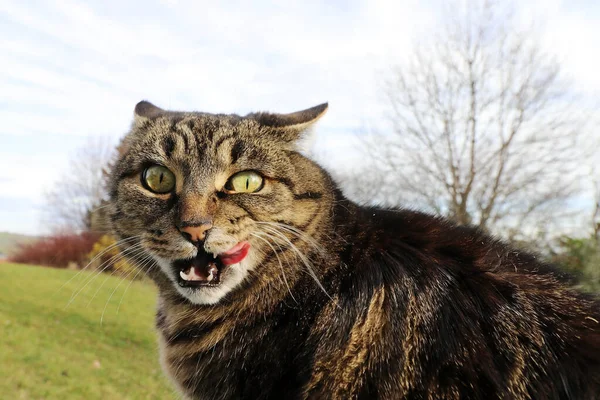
[144,111]
[289,126]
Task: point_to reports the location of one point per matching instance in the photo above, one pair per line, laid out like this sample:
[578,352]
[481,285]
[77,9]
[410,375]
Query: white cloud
[71,69]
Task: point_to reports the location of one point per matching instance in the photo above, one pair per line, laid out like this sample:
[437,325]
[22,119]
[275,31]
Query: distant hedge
[58,250]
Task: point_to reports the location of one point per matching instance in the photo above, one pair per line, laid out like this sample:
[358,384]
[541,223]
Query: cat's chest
[242,362]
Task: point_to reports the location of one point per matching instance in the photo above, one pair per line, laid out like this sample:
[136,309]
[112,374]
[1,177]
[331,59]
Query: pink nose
[195,233]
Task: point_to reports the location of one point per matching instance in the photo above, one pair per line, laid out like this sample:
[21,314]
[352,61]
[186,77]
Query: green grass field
[51,351]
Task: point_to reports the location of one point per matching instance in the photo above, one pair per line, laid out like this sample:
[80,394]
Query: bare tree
[485,130]
[81,189]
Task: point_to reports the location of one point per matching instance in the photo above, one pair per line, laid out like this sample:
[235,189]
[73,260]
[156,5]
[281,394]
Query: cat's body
[332,300]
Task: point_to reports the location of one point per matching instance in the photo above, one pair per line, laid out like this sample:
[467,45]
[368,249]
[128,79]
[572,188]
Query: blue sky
[72,69]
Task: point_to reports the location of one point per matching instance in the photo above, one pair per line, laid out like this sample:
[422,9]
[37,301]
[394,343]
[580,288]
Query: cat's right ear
[144,111]
[289,127]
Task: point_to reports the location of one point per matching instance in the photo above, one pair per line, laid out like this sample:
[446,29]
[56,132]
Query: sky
[71,70]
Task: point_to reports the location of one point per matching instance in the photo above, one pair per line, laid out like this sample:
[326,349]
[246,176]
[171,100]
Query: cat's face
[207,197]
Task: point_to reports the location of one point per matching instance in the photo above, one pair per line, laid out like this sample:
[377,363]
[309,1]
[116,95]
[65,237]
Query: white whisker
[106,264]
[136,247]
[95,258]
[112,294]
[111,274]
[280,265]
[302,257]
[146,262]
[296,232]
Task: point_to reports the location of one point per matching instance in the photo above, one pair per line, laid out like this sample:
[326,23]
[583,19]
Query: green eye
[244,182]
[158,179]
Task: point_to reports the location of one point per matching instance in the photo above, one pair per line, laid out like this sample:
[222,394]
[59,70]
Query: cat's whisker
[277,230]
[303,258]
[300,232]
[106,264]
[256,235]
[296,232]
[142,268]
[113,292]
[282,250]
[290,228]
[100,287]
[112,246]
[93,276]
[112,274]
[264,254]
[101,207]
[114,259]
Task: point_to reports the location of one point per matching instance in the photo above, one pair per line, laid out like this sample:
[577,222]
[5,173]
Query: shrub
[580,257]
[108,257]
[57,250]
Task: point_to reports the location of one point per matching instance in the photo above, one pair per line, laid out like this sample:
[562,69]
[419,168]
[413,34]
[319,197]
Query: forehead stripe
[168,145]
[236,150]
[186,143]
[222,140]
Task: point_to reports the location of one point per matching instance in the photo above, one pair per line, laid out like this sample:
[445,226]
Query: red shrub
[57,250]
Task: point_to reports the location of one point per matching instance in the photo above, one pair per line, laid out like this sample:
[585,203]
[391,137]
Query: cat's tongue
[236,254]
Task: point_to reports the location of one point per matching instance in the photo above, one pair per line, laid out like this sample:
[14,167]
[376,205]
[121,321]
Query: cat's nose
[195,232]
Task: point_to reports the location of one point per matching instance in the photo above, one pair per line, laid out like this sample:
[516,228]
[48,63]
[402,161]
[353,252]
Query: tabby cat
[273,285]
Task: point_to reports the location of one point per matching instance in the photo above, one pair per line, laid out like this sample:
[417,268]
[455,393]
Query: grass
[51,351]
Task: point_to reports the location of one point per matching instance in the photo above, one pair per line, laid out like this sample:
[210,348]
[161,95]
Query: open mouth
[206,269]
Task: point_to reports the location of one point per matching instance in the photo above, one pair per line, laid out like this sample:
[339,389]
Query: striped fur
[338,301]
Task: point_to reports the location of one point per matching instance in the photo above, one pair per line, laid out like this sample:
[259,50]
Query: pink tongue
[236,254]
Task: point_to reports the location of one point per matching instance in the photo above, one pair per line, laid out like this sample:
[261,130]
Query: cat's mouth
[206,268]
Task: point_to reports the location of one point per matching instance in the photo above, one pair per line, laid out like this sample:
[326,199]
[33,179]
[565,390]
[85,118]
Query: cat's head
[206,199]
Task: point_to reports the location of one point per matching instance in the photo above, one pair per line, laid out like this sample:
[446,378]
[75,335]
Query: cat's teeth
[190,274]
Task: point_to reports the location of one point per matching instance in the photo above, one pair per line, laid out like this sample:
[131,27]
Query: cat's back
[450,311]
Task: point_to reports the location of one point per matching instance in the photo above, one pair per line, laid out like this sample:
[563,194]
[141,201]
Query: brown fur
[336,300]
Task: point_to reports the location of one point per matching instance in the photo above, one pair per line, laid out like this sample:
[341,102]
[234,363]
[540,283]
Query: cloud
[72,69]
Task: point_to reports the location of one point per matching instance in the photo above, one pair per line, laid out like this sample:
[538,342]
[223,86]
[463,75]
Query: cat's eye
[158,179]
[244,182]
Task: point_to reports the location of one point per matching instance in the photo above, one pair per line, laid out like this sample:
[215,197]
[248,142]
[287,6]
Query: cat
[273,285]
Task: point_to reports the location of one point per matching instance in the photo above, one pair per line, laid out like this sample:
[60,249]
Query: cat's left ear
[290,126]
